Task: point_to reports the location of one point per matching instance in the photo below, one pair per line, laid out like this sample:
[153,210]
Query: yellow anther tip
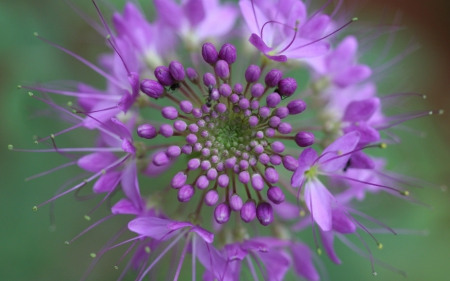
[35,208]
[93,255]
[354,19]
[319,251]
[35,34]
[383,145]
[10,147]
[30,94]
[380,246]
[86,217]
[404,193]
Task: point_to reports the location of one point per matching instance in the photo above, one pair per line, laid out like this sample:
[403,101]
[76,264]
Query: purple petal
[305,161]
[120,129]
[235,252]
[343,55]
[352,75]
[341,222]
[179,224]
[150,227]
[361,110]
[207,236]
[367,133]
[152,170]
[194,11]
[211,259]
[298,50]
[249,17]
[286,210]
[97,161]
[327,241]
[125,102]
[130,184]
[313,29]
[106,182]
[303,264]
[318,199]
[128,147]
[209,28]
[256,41]
[276,263]
[133,78]
[279,58]
[169,12]
[342,145]
[359,160]
[124,207]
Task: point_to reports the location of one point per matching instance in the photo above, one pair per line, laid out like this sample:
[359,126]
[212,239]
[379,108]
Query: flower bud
[296,107]
[177,70]
[290,163]
[248,211]
[237,89]
[228,53]
[173,151]
[152,88]
[178,180]
[211,197]
[284,128]
[277,146]
[271,175]
[257,90]
[192,75]
[162,73]
[281,112]
[257,182]
[166,130]
[252,73]
[161,159]
[275,194]
[223,180]
[244,177]
[273,77]
[225,90]
[222,69]
[235,202]
[147,131]
[180,125]
[209,53]
[287,87]
[273,100]
[304,139]
[274,121]
[185,193]
[170,112]
[264,213]
[202,182]
[209,80]
[222,213]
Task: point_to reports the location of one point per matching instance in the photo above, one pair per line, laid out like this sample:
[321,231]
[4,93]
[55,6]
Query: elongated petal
[256,41]
[124,207]
[313,29]
[344,54]
[359,160]
[367,133]
[106,182]
[303,264]
[361,110]
[97,161]
[318,199]
[209,27]
[305,161]
[341,222]
[169,12]
[352,75]
[150,227]
[342,145]
[249,17]
[235,252]
[279,58]
[207,236]
[327,241]
[130,184]
[194,11]
[276,263]
[120,129]
[309,51]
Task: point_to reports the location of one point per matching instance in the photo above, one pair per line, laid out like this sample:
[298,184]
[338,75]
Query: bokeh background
[30,250]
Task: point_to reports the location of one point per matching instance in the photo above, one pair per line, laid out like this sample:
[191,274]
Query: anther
[10,147]
[86,217]
[35,208]
[36,34]
[383,145]
[380,246]
[147,249]
[93,255]
[19,86]
[66,242]
[319,251]
[404,193]
[30,94]
[116,267]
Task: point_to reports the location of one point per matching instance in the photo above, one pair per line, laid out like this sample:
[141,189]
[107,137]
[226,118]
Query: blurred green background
[30,251]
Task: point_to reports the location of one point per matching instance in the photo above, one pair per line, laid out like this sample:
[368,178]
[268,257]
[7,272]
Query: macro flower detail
[203,145]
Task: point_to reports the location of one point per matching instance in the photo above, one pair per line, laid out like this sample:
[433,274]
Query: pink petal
[343,55]
[97,161]
[352,75]
[318,199]
[130,184]
[194,11]
[305,161]
[169,12]
[106,182]
[342,145]
[361,110]
[367,133]
[303,264]
[207,236]
[150,227]
[256,41]
[209,27]
[327,241]
[124,207]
